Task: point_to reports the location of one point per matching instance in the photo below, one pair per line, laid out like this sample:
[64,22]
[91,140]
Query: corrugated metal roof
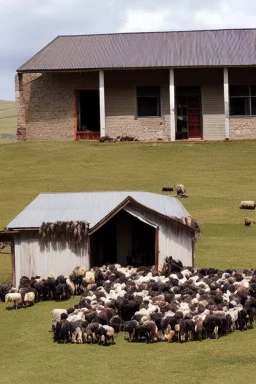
[89,206]
[229,47]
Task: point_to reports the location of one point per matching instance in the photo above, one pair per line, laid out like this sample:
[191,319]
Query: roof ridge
[123,191]
[158,32]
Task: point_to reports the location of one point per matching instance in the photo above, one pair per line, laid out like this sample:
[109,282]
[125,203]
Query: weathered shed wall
[33,258]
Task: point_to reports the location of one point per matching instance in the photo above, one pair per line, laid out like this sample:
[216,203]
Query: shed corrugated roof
[90,206]
[227,47]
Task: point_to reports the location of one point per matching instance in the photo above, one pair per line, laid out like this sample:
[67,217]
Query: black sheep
[62,292]
[130,328]
[91,332]
[147,331]
[116,323]
[50,286]
[4,289]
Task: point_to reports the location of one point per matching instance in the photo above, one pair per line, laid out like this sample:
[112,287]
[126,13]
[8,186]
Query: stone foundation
[242,128]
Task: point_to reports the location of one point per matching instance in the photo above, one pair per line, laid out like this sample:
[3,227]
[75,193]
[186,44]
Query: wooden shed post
[226,103]
[102,103]
[13,262]
[157,249]
[172,104]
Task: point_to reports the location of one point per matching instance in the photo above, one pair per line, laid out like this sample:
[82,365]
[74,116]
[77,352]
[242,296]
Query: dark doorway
[88,115]
[189,120]
[143,243]
[103,245]
[125,240]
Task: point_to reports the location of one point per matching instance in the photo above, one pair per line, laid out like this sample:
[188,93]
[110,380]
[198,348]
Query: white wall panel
[34,258]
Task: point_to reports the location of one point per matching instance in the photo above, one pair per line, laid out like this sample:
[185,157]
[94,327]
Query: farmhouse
[59,231]
[149,86]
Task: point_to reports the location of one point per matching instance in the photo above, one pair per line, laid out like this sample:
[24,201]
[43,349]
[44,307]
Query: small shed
[129,228]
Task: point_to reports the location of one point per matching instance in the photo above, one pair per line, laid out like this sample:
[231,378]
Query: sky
[26,26]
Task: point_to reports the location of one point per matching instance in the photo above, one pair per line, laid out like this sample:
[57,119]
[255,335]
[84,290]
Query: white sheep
[89,277]
[71,286]
[76,315]
[29,298]
[56,313]
[77,336]
[186,273]
[110,334]
[247,205]
[13,298]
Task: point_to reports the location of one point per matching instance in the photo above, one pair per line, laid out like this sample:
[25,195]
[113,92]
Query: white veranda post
[102,104]
[172,104]
[226,103]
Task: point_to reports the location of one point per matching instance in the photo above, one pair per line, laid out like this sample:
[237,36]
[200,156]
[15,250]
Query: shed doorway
[189,113]
[125,240]
[88,115]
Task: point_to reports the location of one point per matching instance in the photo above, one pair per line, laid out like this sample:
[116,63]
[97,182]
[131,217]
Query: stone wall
[242,128]
[47,104]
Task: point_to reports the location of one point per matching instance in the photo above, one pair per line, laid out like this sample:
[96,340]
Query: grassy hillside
[217,175]
[8,117]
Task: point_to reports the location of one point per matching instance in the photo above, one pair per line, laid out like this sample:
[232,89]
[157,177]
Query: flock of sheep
[175,304]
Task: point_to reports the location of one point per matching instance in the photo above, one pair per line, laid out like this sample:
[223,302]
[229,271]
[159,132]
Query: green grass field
[217,175]
[8,118]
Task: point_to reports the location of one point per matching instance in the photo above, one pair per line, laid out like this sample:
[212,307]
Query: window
[242,100]
[148,101]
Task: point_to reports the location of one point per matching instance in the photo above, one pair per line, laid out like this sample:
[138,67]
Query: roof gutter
[75,70]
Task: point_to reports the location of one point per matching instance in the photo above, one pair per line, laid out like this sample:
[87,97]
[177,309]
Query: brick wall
[242,128]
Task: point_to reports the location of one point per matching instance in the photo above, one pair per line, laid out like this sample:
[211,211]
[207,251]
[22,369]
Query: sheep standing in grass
[71,286]
[109,335]
[13,298]
[174,304]
[247,205]
[4,289]
[63,330]
[248,222]
[78,331]
[56,315]
[181,190]
[29,298]
[76,277]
